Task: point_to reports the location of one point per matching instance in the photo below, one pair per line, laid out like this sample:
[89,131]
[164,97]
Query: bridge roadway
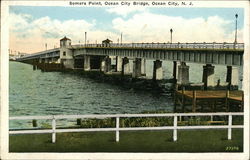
[208,53]
[98,56]
[205,53]
[51,53]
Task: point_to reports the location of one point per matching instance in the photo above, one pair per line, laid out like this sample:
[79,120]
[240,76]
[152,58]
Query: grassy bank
[131,141]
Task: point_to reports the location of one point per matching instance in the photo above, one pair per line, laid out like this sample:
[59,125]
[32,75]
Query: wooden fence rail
[117,128]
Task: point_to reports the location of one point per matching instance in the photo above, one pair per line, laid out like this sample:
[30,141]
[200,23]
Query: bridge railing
[169,45]
[204,45]
[118,128]
[173,45]
[42,54]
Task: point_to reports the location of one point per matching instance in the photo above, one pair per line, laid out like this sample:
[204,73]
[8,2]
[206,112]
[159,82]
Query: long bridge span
[98,56]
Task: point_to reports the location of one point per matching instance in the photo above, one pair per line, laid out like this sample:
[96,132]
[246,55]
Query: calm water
[53,93]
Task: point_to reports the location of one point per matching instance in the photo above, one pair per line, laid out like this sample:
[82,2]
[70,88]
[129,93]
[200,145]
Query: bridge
[98,56]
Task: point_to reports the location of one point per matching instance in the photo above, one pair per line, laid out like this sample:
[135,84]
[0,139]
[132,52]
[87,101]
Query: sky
[31,27]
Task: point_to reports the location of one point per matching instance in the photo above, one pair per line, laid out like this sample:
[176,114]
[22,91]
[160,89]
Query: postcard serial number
[232,148]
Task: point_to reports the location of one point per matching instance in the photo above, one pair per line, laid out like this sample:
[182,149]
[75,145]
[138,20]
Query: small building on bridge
[106,42]
[66,54]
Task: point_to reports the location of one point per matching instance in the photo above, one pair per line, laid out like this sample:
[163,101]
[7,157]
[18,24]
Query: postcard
[125,79]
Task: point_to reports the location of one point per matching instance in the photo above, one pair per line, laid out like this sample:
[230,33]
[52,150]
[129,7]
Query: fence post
[229,134]
[53,129]
[175,129]
[212,118]
[180,119]
[117,129]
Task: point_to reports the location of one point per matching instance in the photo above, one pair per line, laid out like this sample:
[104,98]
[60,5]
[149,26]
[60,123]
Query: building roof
[106,41]
[64,38]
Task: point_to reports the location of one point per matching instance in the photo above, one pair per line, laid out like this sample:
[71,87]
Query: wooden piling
[174,71]
[79,121]
[226,101]
[183,99]
[211,99]
[175,94]
[194,101]
[213,105]
[242,102]
[34,67]
[34,123]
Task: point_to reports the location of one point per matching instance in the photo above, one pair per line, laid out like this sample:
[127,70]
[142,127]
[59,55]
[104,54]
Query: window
[64,53]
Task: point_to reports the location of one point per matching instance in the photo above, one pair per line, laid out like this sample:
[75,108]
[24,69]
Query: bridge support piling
[107,66]
[34,67]
[136,68]
[183,74]
[68,63]
[208,76]
[125,66]
[118,64]
[174,71]
[235,76]
[86,63]
[54,59]
[232,76]
[102,68]
[157,72]
[143,66]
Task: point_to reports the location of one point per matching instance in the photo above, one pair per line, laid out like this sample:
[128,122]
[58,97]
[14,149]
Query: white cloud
[148,27]
[124,11]
[30,35]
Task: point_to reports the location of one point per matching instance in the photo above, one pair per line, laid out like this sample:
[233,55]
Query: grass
[213,140]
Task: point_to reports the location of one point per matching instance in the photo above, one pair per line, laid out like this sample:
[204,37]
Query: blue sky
[137,24]
[100,14]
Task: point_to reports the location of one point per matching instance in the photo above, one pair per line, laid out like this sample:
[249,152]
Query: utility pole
[235,40]
[46,46]
[85,38]
[171,31]
[121,38]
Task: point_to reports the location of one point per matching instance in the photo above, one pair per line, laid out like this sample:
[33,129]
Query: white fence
[117,129]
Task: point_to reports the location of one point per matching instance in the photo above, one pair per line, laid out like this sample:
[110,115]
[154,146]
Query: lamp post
[236,16]
[85,38]
[171,31]
[121,37]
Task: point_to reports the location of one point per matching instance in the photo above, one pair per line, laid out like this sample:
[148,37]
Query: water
[56,93]
[47,93]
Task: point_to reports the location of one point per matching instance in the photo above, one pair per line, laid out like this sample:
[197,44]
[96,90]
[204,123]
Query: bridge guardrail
[117,128]
[41,54]
[145,45]
[169,45]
